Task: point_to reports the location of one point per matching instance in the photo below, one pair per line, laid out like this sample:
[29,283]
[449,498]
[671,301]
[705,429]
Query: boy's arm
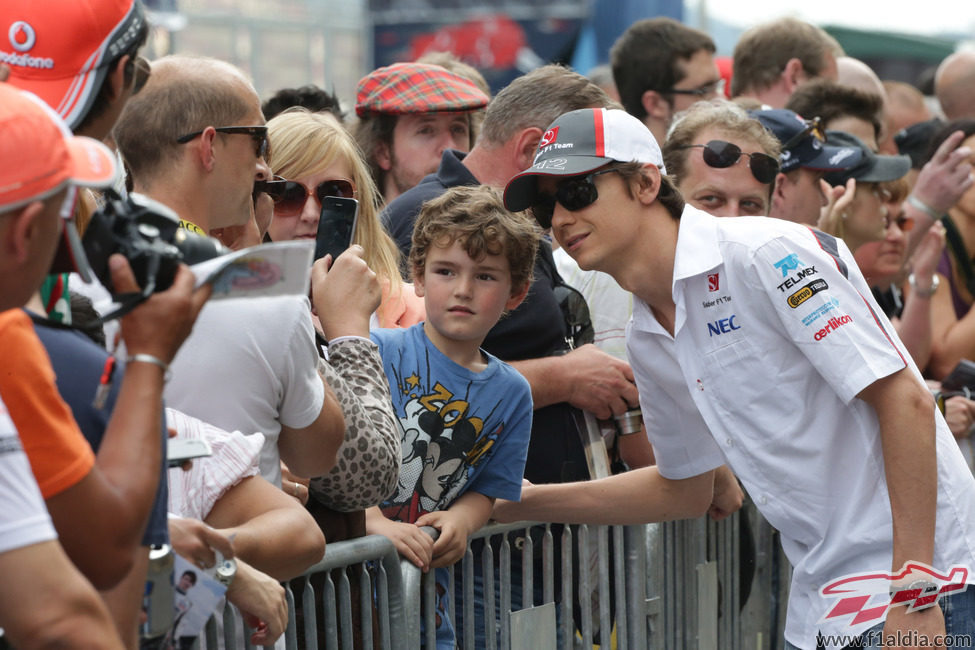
[411,542]
[636,497]
[464,517]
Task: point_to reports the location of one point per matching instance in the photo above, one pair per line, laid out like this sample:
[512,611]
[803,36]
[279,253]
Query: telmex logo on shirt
[723,326]
[793,281]
[788,263]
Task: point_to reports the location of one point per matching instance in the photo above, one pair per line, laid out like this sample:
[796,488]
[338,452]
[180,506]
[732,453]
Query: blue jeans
[959,611]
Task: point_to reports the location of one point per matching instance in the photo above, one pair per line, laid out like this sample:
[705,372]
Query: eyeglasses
[906,224]
[573,194]
[258,133]
[715,88]
[290,196]
[721,154]
[814,127]
[142,72]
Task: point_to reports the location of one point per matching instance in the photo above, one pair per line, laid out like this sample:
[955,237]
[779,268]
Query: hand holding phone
[336,226]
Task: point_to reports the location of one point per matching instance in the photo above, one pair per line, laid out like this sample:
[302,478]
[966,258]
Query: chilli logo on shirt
[832,325]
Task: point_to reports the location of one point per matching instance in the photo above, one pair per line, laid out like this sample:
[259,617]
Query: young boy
[465,415]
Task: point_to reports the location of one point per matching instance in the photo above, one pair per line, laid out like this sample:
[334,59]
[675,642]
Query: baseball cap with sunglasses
[290,196]
[721,154]
[258,133]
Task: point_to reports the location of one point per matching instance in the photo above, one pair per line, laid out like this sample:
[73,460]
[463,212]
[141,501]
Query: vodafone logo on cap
[549,137]
[22,36]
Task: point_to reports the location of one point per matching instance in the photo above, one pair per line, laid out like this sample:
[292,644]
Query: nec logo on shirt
[723,326]
[788,263]
[713,282]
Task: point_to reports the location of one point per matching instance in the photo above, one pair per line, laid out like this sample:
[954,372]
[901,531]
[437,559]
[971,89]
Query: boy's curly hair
[476,217]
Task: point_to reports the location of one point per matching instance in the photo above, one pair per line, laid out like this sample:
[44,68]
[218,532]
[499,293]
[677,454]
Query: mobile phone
[336,226]
[180,450]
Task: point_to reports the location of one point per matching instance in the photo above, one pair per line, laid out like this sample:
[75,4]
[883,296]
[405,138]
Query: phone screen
[336,226]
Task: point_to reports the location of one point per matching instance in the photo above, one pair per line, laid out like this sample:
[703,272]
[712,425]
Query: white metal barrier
[659,586]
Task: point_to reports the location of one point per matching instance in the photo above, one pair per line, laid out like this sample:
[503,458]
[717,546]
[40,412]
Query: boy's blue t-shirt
[461,430]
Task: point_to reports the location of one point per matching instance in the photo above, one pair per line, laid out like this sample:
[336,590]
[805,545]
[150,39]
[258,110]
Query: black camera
[148,234]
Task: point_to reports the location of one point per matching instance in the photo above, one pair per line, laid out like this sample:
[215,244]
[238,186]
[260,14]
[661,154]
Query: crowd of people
[517,260]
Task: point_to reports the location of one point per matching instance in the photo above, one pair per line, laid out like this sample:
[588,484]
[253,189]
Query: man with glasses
[754,345]
[662,67]
[800,191]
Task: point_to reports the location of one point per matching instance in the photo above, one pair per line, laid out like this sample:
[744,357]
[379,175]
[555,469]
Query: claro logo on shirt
[832,325]
[723,326]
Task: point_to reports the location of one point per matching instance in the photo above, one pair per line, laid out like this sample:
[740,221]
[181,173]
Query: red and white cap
[60,49]
[579,142]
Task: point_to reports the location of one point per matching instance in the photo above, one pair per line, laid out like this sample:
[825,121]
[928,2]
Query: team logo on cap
[22,36]
[549,137]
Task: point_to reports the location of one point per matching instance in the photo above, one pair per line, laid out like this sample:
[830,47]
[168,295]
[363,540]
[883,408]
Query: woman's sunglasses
[290,196]
[721,154]
[573,194]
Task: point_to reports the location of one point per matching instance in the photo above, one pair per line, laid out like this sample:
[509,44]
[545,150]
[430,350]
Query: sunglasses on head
[290,196]
[257,133]
[721,154]
[814,127]
[573,194]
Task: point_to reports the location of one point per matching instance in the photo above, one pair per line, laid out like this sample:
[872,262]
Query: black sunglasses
[573,194]
[711,88]
[814,127]
[721,154]
[290,196]
[258,133]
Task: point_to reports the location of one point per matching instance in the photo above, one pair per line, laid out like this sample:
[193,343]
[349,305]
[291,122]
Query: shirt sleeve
[23,518]
[304,392]
[501,478]
[58,453]
[825,307]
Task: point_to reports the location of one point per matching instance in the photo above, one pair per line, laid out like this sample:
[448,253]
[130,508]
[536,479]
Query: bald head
[857,74]
[184,94]
[954,84]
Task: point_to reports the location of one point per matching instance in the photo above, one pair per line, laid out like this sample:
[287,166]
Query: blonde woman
[318,156]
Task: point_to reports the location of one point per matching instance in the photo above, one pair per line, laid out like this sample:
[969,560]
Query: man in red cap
[79,56]
[409,113]
[37,196]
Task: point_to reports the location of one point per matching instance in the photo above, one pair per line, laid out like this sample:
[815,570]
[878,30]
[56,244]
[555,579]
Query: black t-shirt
[535,329]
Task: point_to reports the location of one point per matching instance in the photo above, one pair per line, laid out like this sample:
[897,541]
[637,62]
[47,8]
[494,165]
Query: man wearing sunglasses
[194,139]
[662,67]
[800,190]
[753,344]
